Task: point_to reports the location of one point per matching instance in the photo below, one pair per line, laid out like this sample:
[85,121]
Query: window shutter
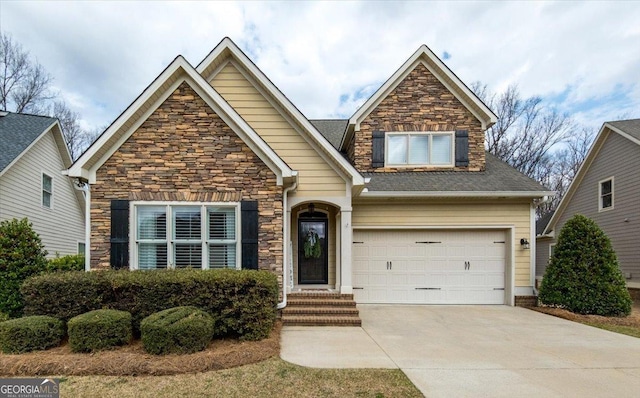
[462,148]
[377,158]
[249,217]
[119,234]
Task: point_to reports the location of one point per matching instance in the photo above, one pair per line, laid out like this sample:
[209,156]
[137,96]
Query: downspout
[285,243]
[84,186]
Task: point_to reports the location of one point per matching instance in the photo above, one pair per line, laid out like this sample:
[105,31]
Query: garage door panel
[429,267]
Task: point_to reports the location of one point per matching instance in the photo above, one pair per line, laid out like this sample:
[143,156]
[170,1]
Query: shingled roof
[17,132]
[631,127]
[332,130]
[497,177]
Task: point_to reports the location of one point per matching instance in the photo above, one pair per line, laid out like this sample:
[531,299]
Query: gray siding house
[607,190]
[33,155]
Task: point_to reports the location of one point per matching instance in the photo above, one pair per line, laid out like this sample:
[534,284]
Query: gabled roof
[152,97]
[497,180]
[226,49]
[542,223]
[20,131]
[629,129]
[425,56]
[332,130]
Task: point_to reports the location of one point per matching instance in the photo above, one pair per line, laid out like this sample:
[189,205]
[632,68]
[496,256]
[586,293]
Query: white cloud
[326,55]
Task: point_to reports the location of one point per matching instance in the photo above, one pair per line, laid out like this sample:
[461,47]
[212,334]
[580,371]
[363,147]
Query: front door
[313,264]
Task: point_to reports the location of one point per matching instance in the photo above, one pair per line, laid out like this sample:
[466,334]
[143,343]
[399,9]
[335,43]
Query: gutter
[285,245]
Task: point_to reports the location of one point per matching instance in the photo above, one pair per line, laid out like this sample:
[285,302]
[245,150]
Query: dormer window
[419,149]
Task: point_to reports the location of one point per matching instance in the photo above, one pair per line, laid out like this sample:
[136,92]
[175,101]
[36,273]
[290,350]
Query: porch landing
[320,308]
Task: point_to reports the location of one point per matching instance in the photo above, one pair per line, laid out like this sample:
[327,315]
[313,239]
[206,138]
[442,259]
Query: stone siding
[185,152]
[419,103]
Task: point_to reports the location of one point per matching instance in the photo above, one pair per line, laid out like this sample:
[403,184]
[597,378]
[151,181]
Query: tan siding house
[607,190]
[398,204]
[32,185]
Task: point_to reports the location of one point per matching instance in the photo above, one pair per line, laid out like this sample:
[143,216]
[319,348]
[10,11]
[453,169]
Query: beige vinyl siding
[316,176]
[60,227]
[618,158]
[454,214]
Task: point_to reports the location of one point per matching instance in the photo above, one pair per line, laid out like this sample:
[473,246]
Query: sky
[582,58]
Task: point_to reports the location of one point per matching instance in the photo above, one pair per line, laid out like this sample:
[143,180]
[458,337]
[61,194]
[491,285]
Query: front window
[606,194]
[197,236]
[421,149]
[47,190]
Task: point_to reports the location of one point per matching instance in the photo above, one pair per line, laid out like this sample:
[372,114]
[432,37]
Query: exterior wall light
[524,243]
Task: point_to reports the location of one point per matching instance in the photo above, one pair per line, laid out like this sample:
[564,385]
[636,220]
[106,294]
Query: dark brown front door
[313,264]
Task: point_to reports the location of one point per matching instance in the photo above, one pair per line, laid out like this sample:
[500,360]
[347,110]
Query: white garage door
[429,267]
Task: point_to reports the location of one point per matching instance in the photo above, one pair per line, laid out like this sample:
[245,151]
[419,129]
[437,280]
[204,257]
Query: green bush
[177,330]
[583,275]
[30,333]
[73,262]
[3,317]
[21,255]
[65,294]
[242,303]
[99,330]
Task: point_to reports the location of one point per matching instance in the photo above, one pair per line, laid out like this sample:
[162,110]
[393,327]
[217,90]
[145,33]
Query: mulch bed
[632,320]
[132,360]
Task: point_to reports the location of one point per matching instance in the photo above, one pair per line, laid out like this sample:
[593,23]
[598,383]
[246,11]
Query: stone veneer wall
[419,103]
[184,151]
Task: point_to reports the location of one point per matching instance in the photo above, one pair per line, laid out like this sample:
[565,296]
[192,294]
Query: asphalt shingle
[332,130]
[17,132]
[631,127]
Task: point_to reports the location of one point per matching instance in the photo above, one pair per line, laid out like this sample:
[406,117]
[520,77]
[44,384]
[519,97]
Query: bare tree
[537,140]
[74,135]
[24,84]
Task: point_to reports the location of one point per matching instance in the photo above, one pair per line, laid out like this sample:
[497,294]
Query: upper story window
[420,149]
[186,236]
[605,194]
[47,190]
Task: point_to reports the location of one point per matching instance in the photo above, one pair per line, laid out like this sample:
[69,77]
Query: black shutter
[462,148]
[119,234]
[377,158]
[249,237]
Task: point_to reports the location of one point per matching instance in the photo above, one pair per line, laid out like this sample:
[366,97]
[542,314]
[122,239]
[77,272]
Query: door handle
[387,265]
[390,264]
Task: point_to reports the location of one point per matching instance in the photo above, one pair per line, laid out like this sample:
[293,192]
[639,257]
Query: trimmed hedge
[179,330]
[30,334]
[66,294]
[583,275]
[242,302]
[99,330]
[72,262]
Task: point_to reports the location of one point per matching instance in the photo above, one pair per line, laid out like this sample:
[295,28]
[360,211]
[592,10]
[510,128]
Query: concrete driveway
[476,351]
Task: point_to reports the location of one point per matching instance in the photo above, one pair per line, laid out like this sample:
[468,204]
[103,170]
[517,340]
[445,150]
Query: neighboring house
[33,155]
[214,167]
[607,190]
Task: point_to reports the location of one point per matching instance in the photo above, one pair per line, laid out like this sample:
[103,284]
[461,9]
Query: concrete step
[329,320]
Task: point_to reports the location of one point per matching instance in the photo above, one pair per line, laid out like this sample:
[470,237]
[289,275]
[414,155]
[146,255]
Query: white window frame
[430,134]
[170,241]
[552,247]
[600,207]
[42,191]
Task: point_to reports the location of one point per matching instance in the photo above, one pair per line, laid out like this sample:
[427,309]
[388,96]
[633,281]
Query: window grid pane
[188,255]
[222,255]
[606,194]
[419,149]
[152,223]
[441,149]
[152,255]
[222,224]
[186,224]
[397,149]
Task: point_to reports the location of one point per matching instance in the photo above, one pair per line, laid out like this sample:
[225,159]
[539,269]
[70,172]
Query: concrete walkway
[476,351]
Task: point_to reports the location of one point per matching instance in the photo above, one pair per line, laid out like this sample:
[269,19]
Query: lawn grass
[628,330]
[273,377]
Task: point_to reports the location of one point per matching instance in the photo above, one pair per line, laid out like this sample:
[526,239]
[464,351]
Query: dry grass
[132,360]
[273,377]
[629,325]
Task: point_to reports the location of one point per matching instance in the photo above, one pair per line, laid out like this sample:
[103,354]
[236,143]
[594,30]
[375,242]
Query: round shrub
[72,262]
[177,330]
[99,330]
[30,334]
[21,255]
[583,275]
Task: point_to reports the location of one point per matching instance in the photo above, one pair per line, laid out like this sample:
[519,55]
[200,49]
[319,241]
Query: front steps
[320,308]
